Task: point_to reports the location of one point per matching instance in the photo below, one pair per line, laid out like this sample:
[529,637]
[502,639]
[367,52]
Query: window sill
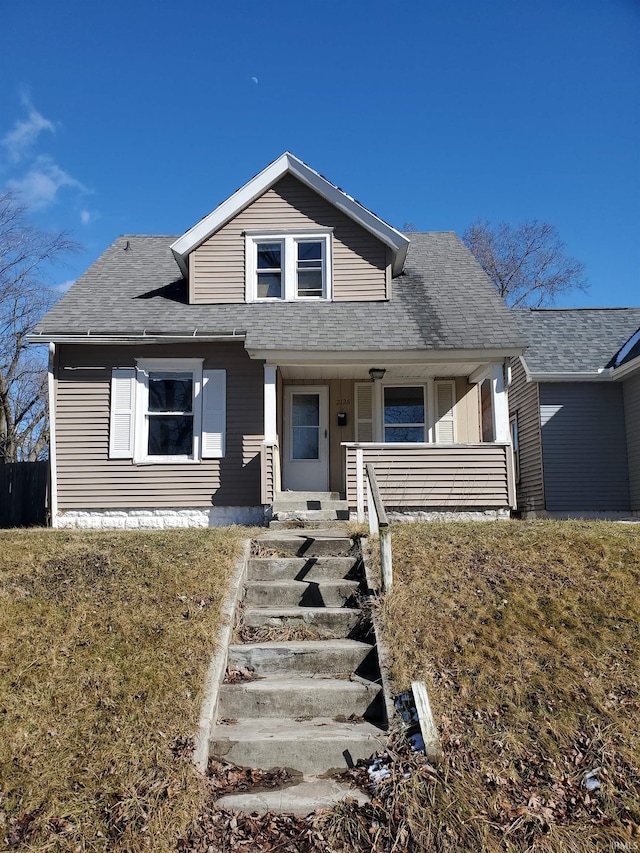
[167,460]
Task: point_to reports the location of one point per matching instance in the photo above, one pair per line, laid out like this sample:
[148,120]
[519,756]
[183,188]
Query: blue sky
[140,117]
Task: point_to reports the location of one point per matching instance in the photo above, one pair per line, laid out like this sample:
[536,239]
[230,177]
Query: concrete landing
[300,799]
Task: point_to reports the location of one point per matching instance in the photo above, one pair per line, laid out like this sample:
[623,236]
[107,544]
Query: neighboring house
[575,409]
[192,379]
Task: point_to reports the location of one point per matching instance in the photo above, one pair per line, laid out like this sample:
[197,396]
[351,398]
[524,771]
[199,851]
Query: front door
[306,440]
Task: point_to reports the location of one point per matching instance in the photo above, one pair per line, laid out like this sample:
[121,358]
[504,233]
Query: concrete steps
[309,507]
[308,657]
[327,621]
[314,747]
[305,543]
[304,568]
[314,705]
[302,593]
[300,697]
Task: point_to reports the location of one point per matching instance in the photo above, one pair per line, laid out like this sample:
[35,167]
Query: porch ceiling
[393,371]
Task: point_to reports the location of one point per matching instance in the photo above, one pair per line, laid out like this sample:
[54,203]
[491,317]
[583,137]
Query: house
[284,341]
[574,405]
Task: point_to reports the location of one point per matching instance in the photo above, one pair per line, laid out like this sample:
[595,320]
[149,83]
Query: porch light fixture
[377,373]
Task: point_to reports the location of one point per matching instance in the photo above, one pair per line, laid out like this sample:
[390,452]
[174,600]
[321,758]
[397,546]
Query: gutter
[625,369]
[147,337]
[602,374]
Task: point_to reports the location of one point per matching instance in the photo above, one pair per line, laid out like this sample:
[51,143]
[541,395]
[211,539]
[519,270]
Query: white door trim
[309,475]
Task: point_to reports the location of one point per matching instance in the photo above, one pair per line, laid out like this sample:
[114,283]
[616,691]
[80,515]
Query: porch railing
[433,476]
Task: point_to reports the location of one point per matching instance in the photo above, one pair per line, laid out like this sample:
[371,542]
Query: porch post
[270,430]
[499,404]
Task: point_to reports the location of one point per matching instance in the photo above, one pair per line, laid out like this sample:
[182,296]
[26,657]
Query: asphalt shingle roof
[575,340]
[443,300]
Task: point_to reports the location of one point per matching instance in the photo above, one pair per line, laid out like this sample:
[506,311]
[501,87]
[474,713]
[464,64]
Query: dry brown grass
[106,639]
[528,637]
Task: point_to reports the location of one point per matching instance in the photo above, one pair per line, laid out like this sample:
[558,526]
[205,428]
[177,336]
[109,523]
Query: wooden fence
[23,493]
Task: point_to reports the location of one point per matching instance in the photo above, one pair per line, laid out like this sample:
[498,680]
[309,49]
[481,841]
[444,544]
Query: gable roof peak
[288,163]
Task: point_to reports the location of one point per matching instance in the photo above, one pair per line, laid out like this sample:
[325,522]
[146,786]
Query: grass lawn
[527,635]
[528,638]
[106,639]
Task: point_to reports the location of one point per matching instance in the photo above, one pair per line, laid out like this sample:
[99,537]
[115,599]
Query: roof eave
[626,369]
[389,357]
[288,163]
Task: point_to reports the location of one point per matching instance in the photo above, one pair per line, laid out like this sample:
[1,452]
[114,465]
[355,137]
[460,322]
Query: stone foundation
[160,519]
[417,514]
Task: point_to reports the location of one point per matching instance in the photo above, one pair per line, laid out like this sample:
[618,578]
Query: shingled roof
[575,340]
[443,300]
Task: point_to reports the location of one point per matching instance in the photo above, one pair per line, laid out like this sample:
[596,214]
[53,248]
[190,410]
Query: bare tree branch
[527,263]
[26,253]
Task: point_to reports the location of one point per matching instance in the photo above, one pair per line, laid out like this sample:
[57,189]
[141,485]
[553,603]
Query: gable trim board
[263,181]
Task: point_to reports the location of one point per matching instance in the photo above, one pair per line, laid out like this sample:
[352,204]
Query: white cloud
[40,186]
[62,288]
[25,132]
[85,217]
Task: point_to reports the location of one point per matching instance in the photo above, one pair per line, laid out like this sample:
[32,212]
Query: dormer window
[288,267]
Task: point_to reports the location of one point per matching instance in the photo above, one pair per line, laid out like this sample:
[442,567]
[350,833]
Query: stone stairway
[316,705]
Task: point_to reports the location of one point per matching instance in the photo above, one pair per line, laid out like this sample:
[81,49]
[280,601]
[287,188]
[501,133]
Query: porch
[421,480]
[436,433]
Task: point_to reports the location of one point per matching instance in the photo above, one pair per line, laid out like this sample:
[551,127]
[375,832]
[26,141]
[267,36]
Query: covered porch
[437,432]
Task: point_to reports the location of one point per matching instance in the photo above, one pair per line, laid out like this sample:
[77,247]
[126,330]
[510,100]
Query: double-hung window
[404,413]
[288,267]
[400,414]
[169,416]
[269,270]
[167,410]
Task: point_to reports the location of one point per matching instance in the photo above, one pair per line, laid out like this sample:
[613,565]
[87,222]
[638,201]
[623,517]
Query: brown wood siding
[458,476]
[525,403]
[88,479]
[632,421]
[359,260]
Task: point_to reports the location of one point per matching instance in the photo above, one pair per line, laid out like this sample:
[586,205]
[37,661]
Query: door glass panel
[305,429]
[306,410]
[305,443]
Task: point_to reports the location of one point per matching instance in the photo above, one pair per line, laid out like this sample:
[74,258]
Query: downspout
[53,468]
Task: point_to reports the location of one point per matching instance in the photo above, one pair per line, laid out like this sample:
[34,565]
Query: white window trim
[178,365]
[430,408]
[425,402]
[288,241]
